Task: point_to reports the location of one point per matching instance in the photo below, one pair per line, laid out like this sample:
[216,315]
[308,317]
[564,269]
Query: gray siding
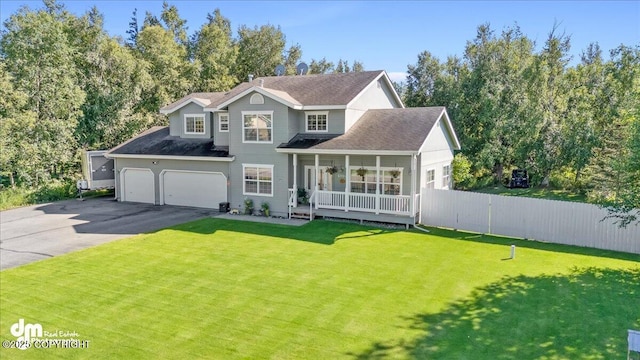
[176,121]
[259,154]
[162,164]
[298,121]
[219,138]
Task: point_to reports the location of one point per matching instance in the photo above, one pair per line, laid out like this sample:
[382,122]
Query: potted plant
[248,206]
[361,172]
[303,197]
[394,173]
[331,169]
[265,208]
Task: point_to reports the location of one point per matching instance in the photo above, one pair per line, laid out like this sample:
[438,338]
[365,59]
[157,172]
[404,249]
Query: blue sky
[389,35]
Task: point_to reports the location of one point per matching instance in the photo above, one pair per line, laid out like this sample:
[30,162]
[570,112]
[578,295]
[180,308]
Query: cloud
[398,76]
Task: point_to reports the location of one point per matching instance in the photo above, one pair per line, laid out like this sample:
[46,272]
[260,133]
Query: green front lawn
[235,290]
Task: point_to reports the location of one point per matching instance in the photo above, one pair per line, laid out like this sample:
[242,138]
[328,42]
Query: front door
[324,182]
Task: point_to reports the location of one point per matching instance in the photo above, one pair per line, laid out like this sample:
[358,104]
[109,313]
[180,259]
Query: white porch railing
[389,204]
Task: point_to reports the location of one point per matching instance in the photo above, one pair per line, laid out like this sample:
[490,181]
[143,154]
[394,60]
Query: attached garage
[193,188]
[137,185]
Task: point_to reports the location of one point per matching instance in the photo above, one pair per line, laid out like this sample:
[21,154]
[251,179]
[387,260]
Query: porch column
[377,184]
[295,180]
[317,172]
[413,185]
[347,189]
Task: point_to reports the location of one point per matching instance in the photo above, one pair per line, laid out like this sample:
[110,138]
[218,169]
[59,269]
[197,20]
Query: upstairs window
[194,124]
[317,121]
[446,176]
[223,120]
[257,127]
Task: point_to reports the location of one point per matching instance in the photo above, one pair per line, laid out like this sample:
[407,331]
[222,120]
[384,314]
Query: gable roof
[386,131]
[157,142]
[297,91]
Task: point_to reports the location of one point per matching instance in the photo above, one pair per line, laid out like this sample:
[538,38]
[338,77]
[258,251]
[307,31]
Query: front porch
[363,192]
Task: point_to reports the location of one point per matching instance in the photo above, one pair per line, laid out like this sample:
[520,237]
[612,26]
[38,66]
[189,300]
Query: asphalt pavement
[42,231]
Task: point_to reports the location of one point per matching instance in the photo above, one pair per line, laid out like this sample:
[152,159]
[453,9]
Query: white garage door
[193,188]
[137,185]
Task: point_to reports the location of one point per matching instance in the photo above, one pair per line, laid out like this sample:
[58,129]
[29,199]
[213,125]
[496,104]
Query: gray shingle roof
[157,141]
[305,141]
[387,129]
[318,89]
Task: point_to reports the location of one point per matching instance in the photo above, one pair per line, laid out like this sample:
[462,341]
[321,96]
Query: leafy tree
[260,50]
[215,54]
[113,80]
[40,59]
[134,29]
[461,171]
[174,23]
[321,66]
[293,57]
[169,68]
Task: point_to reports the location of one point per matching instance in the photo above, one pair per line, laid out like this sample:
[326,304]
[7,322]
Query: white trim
[383,74]
[256,99]
[123,183]
[220,121]
[260,112]
[194,116]
[426,178]
[183,104]
[452,133]
[259,90]
[244,190]
[446,185]
[323,107]
[169,157]
[295,106]
[344,152]
[316,113]
[164,171]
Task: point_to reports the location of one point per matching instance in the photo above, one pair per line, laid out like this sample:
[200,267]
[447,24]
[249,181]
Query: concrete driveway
[41,231]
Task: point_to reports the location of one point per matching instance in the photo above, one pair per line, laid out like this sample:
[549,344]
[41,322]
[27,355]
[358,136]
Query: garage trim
[123,183]
[185,171]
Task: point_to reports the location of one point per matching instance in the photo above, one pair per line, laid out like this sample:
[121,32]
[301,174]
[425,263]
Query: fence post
[489,214]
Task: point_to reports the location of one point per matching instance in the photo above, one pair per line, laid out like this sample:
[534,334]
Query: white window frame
[446,176]
[195,119]
[307,114]
[257,141]
[430,179]
[220,121]
[372,170]
[256,99]
[258,167]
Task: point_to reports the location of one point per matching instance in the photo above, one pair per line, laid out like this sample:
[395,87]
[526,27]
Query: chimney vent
[261,82]
[250,77]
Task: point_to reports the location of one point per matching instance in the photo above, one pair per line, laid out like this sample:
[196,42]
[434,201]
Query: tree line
[576,127]
[67,85]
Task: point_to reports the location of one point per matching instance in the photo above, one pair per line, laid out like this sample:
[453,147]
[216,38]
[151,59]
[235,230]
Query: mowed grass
[221,289]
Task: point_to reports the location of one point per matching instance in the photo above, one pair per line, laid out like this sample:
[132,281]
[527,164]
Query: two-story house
[345,138]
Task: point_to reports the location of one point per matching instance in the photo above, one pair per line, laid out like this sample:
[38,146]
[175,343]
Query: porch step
[300,216]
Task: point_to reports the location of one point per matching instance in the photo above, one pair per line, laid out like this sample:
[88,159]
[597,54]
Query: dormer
[188,118]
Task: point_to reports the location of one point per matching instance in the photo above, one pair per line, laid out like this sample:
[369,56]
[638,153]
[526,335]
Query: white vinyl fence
[560,222]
